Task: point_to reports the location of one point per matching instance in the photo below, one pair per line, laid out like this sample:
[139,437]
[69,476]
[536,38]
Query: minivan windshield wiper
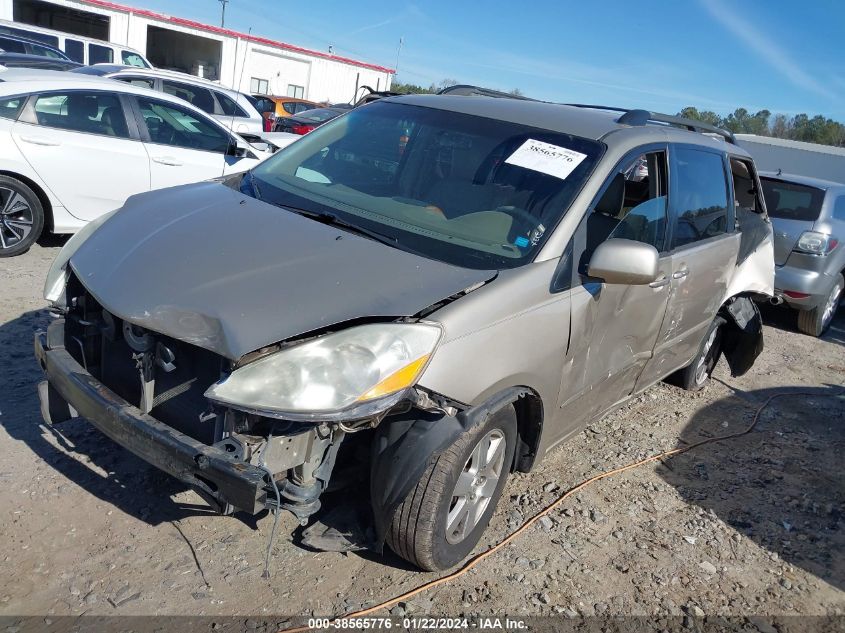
[333,220]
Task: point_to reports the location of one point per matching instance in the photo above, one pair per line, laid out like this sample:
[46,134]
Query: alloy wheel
[16,218]
[706,363]
[476,485]
[831,305]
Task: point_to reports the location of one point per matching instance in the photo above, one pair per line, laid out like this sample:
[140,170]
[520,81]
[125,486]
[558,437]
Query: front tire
[816,321]
[696,375]
[21,217]
[443,517]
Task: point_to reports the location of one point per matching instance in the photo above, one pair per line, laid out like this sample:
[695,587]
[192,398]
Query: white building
[250,63]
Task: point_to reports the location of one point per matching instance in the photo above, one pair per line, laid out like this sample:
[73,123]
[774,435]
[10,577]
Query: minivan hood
[213,267]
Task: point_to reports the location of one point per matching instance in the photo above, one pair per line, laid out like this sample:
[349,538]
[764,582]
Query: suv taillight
[815,243]
[269,122]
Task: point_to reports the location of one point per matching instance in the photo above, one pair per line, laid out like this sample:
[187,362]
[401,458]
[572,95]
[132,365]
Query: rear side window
[75,50]
[12,46]
[100,54]
[791,201]
[699,196]
[169,124]
[43,51]
[302,107]
[195,95]
[11,108]
[88,112]
[290,107]
[229,107]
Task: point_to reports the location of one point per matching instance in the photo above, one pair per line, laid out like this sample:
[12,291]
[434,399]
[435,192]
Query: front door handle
[40,140]
[680,274]
[659,283]
[167,160]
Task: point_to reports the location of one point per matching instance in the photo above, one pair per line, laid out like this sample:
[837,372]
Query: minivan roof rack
[467,90]
[643,117]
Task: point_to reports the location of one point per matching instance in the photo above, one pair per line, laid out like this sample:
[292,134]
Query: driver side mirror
[237,148]
[618,261]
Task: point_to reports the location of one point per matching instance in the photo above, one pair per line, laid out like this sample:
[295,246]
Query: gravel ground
[749,526]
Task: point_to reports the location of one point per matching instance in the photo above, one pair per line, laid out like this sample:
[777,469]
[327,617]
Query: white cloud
[765,47]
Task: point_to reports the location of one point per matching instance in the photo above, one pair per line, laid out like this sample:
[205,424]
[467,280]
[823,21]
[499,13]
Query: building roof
[782,142]
[113,6]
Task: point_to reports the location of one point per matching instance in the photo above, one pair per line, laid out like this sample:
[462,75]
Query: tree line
[800,127]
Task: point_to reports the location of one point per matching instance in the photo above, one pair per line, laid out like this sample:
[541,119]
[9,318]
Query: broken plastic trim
[742,340]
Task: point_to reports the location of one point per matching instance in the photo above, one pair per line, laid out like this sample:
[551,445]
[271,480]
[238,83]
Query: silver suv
[408,304]
[808,216]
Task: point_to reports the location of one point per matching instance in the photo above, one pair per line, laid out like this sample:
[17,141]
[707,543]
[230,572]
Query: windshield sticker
[546,158]
[522,241]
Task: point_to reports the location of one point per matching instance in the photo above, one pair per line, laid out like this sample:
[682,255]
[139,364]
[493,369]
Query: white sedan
[73,148]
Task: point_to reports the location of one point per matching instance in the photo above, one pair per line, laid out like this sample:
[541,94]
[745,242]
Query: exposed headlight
[349,374]
[54,285]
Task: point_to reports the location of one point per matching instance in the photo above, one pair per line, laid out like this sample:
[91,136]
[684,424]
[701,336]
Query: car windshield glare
[468,190]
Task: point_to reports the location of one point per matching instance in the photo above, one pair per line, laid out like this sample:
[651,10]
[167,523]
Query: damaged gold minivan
[411,302]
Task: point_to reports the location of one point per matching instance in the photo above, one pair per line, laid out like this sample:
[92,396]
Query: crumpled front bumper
[215,474]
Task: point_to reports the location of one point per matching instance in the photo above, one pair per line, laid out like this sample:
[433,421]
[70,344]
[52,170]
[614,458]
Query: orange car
[272,108]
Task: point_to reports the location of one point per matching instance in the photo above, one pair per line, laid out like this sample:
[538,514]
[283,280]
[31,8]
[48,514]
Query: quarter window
[195,95]
[839,208]
[100,54]
[700,196]
[88,112]
[12,46]
[169,124]
[132,59]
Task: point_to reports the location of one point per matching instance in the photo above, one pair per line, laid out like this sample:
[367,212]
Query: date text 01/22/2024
[422,624]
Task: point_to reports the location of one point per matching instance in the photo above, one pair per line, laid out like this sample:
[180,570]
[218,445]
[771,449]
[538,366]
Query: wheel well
[42,196]
[529,424]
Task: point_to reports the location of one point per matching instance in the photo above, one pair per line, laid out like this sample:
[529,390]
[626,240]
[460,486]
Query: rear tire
[696,375]
[21,217]
[816,321]
[440,522]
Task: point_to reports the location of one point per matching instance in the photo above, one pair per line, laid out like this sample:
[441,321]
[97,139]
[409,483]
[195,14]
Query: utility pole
[223,16]
[398,51]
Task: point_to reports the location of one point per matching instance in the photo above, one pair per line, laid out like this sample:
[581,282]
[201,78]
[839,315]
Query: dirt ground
[750,526]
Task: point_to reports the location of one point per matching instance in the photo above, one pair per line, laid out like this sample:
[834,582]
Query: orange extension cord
[480,557]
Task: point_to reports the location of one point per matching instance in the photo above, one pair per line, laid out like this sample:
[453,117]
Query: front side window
[195,95]
[100,54]
[699,196]
[297,92]
[132,59]
[10,108]
[633,205]
[468,190]
[791,201]
[88,112]
[169,124]
[75,50]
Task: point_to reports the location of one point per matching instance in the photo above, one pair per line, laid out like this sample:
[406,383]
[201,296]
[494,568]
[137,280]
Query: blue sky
[714,54]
